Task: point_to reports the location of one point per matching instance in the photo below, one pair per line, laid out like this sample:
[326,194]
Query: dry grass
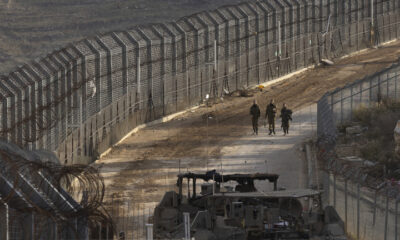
[377,143]
[380,119]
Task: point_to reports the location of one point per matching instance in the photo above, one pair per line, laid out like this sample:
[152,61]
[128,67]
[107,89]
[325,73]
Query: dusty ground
[30,29]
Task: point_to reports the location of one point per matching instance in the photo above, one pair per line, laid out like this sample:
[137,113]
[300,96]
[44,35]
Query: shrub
[371,151]
[342,127]
[363,115]
[385,124]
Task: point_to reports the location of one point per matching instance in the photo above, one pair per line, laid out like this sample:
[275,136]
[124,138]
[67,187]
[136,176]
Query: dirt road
[283,155]
[143,166]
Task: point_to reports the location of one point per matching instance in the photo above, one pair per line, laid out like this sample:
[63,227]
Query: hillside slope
[30,29]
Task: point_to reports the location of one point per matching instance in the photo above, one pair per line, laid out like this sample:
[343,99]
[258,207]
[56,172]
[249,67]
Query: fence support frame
[396,216]
[186,222]
[358,211]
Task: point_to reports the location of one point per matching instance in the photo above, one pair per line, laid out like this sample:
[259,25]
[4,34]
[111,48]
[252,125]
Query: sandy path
[248,154]
[274,154]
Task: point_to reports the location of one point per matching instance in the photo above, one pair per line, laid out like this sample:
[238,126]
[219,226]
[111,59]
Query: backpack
[289,113]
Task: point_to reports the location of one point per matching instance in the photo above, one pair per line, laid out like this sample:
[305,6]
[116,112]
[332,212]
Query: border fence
[80,100]
[41,199]
[368,205]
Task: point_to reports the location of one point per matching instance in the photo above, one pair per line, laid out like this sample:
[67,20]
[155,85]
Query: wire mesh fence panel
[350,189]
[177,62]
[82,99]
[364,218]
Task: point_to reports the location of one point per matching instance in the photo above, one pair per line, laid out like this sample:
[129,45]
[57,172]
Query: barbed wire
[63,109]
[55,184]
[78,86]
[327,141]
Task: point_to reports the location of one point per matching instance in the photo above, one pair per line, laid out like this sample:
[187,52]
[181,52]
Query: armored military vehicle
[230,207]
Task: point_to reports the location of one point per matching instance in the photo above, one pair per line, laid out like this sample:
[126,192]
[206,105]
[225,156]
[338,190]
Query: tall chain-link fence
[80,100]
[367,204]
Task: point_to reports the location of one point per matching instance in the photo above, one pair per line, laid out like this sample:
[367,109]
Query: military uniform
[286,115]
[270,115]
[255,113]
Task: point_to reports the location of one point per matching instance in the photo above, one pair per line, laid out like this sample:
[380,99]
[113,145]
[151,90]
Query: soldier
[286,115]
[255,113]
[270,115]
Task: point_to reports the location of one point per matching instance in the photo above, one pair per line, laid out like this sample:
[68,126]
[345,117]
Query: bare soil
[31,29]
[142,166]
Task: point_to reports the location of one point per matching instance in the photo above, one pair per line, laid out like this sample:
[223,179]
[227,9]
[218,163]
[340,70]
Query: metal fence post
[99,230]
[374,213]
[358,211]
[386,214]
[149,231]
[361,92]
[123,217]
[186,70]
[33,226]
[345,204]
[76,225]
[112,211]
[138,222]
[138,73]
[144,219]
[341,106]
[133,221]
[107,232]
[328,187]
[370,92]
[334,190]
[396,213]
[215,57]
[279,40]
[372,12]
[55,231]
[395,86]
[351,102]
[7,222]
[387,85]
[372,22]
[186,221]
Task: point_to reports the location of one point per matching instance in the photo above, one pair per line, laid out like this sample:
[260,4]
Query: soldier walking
[286,115]
[270,115]
[255,114]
